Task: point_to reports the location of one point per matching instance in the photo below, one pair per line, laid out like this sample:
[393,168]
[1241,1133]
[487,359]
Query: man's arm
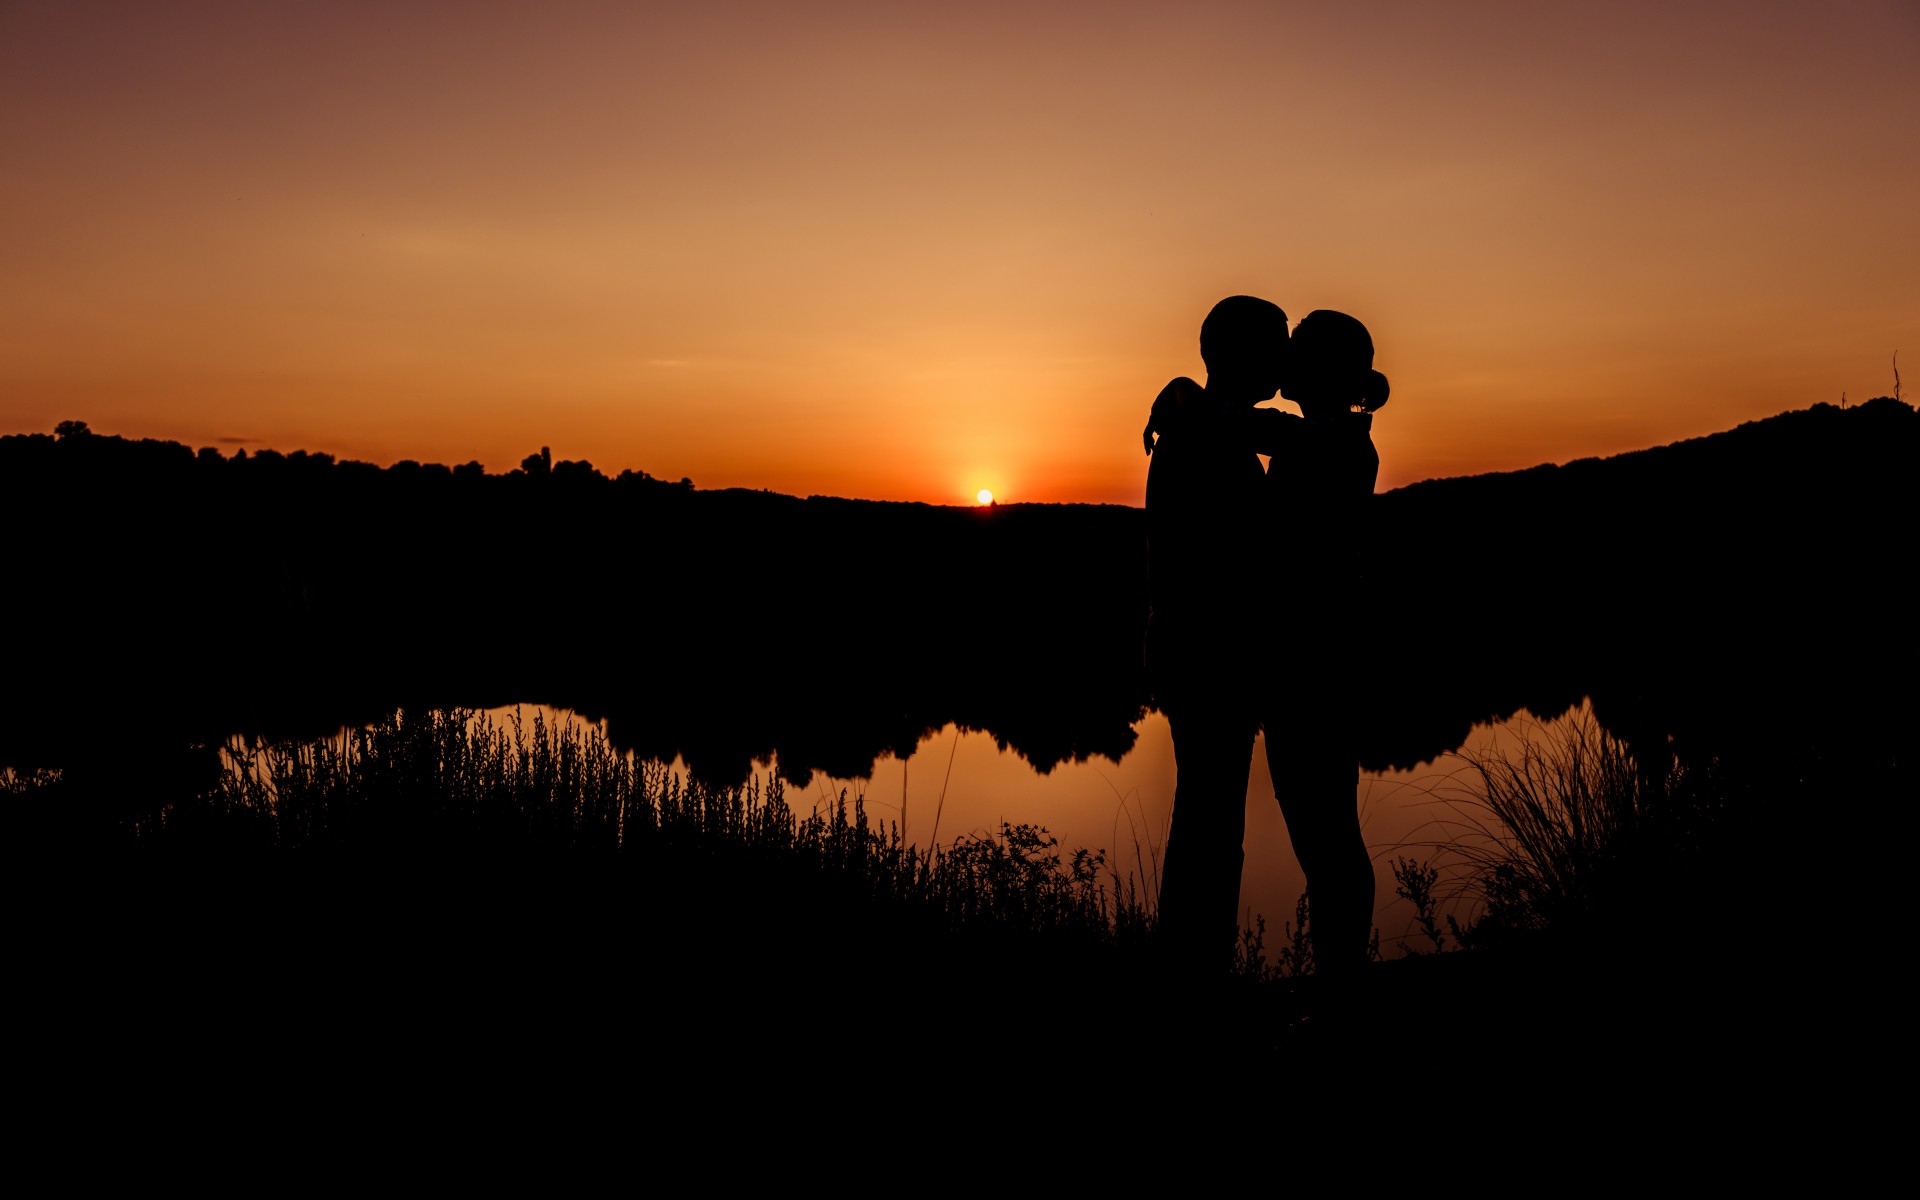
[1270,431]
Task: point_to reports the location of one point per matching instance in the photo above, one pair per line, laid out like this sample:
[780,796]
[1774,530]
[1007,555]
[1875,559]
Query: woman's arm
[1178,397]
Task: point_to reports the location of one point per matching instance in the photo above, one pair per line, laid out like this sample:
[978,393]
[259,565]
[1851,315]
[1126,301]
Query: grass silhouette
[1563,830]
[440,880]
[435,787]
[1568,831]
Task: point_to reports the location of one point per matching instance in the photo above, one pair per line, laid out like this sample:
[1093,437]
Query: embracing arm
[1266,431]
[1271,432]
[1179,396]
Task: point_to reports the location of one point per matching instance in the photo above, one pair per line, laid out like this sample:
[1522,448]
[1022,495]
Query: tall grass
[425,787]
[1566,828]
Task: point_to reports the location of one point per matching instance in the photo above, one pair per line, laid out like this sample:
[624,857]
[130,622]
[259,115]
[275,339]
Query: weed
[439,785]
[1415,882]
[1295,956]
[1567,830]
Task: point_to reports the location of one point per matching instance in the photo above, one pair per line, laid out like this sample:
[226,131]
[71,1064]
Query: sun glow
[983,496]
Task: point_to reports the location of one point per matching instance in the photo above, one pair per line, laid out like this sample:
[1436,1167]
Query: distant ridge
[1885,412]
[1722,587]
[1818,475]
[1821,422]
[1716,589]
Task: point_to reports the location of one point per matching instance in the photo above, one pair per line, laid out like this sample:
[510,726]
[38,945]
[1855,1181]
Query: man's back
[1203,489]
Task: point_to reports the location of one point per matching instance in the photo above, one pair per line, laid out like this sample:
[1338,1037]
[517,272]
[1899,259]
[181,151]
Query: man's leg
[1199,915]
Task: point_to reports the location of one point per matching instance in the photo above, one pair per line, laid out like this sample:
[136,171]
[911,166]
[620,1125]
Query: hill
[1716,591]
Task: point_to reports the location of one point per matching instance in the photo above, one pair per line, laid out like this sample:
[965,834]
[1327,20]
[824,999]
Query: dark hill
[1691,589]
[1718,590]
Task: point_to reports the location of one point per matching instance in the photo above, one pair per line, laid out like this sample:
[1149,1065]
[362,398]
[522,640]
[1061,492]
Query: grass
[1560,830]
[1566,830]
[425,789]
[523,879]
[441,875]
[1293,959]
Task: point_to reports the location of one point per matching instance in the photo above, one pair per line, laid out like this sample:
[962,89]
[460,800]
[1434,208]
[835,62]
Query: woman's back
[1314,503]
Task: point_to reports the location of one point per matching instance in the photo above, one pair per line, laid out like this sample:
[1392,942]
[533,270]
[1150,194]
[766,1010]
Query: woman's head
[1330,365]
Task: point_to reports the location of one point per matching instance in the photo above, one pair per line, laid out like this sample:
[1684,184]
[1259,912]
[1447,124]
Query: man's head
[1243,341]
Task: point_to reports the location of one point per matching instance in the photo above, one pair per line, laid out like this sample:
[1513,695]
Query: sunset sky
[910,251]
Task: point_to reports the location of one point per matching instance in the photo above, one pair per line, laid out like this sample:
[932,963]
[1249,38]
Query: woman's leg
[1315,777]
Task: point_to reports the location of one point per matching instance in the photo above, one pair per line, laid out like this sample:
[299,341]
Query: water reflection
[958,783]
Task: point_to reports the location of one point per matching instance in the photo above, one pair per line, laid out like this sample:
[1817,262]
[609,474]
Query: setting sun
[984,496]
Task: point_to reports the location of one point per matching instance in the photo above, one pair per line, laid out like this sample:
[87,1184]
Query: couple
[1251,579]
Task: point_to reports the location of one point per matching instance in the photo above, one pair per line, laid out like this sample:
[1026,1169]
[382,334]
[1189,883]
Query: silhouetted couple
[1256,616]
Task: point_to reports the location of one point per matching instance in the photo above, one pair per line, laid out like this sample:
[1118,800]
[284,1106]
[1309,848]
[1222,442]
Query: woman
[1318,484]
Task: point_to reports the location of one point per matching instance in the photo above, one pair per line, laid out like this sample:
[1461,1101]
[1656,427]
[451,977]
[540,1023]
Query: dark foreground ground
[532,1003]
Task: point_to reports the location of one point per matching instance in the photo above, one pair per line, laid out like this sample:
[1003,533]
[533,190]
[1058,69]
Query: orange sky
[909,251]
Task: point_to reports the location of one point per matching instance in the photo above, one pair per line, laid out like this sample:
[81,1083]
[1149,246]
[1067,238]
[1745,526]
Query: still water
[959,783]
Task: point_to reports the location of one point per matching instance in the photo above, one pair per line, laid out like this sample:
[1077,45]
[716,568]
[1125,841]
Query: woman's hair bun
[1374,390]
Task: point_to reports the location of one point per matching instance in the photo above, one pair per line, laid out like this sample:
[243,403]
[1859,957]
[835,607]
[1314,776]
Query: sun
[984,496]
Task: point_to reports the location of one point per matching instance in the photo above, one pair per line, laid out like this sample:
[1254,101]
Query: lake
[959,783]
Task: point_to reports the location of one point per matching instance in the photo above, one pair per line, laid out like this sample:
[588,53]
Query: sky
[912,251]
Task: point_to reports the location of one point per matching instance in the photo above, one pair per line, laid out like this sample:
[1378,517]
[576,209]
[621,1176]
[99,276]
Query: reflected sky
[962,783]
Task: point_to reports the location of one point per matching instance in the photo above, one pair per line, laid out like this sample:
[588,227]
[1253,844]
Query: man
[1203,493]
